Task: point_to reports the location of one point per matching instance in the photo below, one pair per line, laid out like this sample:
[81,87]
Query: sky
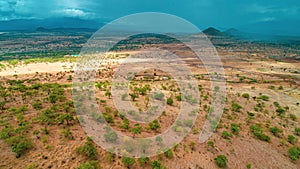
[203,13]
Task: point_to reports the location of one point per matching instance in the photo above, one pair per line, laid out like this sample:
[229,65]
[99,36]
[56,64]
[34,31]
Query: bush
[280,111]
[89,165]
[192,145]
[7,132]
[235,128]
[125,124]
[127,161]
[178,97]
[88,149]
[294,153]
[258,132]
[20,147]
[143,160]
[170,101]
[262,136]
[292,139]
[226,135]
[275,131]
[154,125]
[211,144]
[156,165]
[276,104]
[169,153]
[19,144]
[37,105]
[263,97]
[221,161]
[137,129]
[235,107]
[297,131]
[133,96]
[246,95]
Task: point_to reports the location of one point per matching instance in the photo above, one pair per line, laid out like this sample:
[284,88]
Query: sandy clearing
[38,67]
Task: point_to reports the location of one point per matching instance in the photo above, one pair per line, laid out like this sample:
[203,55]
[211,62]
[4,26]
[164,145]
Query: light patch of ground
[38,67]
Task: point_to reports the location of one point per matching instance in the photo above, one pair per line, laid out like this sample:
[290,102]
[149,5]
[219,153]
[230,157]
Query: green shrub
[178,97]
[211,144]
[280,111]
[297,131]
[235,107]
[294,153]
[168,153]
[37,105]
[88,149]
[192,145]
[125,124]
[170,101]
[20,147]
[276,104]
[246,95]
[137,129]
[221,161]
[262,136]
[156,165]
[226,135]
[143,160]
[154,125]
[275,131]
[235,128]
[7,132]
[258,132]
[133,96]
[128,161]
[263,97]
[19,144]
[292,139]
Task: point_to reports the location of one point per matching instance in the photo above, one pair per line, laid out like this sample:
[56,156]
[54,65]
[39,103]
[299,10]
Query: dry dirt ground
[56,151]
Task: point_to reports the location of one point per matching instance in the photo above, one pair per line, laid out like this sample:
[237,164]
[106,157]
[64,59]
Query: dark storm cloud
[221,13]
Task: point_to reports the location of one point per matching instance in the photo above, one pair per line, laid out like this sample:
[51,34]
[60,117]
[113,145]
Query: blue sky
[203,13]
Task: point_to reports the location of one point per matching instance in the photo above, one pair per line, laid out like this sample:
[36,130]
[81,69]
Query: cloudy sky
[203,13]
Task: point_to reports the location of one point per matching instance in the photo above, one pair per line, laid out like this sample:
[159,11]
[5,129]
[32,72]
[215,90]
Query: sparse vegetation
[258,132]
[128,161]
[88,149]
[275,131]
[221,161]
[294,153]
[236,107]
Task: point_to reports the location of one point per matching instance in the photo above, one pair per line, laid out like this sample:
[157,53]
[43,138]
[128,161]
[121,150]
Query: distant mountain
[213,32]
[233,32]
[33,24]
[42,29]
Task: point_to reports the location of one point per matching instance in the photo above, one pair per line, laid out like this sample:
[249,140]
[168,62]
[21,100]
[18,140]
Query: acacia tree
[154,125]
[133,96]
[136,130]
[108,94]
[128,161]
